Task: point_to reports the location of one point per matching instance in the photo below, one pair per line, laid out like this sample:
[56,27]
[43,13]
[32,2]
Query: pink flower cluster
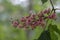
[34,20]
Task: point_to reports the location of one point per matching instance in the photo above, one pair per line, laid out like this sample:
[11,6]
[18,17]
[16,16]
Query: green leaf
[37,33]
[56,29]
[53,36]
[45,35]
[53,28]
[43,1]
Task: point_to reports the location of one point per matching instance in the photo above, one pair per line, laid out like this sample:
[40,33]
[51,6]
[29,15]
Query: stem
[57,9]
[52,6]
[53,9]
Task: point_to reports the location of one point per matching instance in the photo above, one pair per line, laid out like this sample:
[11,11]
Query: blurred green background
[18,8]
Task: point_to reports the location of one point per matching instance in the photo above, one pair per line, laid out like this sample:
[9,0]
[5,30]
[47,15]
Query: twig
[57,9]
[53,9]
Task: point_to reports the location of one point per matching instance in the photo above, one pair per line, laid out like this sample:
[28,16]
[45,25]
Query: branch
[57,9]
[52,6]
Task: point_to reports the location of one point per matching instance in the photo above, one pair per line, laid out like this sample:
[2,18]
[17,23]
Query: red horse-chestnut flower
[34,20]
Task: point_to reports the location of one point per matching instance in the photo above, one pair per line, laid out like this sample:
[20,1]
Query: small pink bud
[28,16]
[28,21]
[41,19]
[32,16]
[43,23]
[47,11]
[15,23]
[23,19]
[53,16]
[32,26]
[19,26]
[40,15]
[38,22]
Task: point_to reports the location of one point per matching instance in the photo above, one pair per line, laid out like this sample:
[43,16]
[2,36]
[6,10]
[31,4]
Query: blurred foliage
[7,32]
[43,1]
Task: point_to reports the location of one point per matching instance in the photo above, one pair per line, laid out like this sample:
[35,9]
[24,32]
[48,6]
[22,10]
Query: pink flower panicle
[34,20]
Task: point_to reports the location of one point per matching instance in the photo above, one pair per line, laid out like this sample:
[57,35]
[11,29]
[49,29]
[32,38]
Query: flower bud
[20,26]
[15,23]
[23,19]
[28,21]
[40,15]
[46,11]
[53,16]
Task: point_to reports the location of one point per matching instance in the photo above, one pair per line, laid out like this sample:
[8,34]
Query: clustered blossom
[34,20]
